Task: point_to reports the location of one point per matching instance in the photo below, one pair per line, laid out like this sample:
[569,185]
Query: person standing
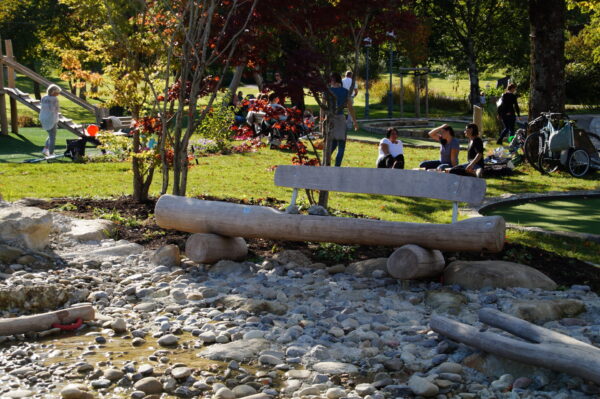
[449,148]
[49,117]
[338,123]
[508,111]
[347,84]
[391,151]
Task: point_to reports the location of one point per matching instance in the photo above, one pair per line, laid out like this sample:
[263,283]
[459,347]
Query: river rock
[445,301]
[366,268]
[542,311]
[423,387]
[149,386]
[168,340]
[75,391]
[242,391]
[9,254]
[18,393]
[240,351]
[495,274]
[26,226]
[119,250]
[292,256]
[118,325]
[224,393]
[258,306]
[167,255]
[227,268]
[335,368]
[113,374]
[181,372]
[90,230]
[36,298]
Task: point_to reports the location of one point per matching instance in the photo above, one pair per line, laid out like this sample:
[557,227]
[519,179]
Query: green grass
[577,214]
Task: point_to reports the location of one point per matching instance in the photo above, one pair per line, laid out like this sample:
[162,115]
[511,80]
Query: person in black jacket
[508,111]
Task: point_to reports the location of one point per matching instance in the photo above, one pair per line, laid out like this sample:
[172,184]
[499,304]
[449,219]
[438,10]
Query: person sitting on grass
[449,148]
[391,151]
[474,166]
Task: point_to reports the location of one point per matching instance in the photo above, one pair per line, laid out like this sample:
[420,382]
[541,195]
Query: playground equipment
[12,66]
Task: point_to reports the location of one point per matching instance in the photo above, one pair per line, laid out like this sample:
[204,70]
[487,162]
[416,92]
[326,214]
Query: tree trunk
[36,86]
[235,81]
[260,82]
[82,91]
[473,76]
[547,88]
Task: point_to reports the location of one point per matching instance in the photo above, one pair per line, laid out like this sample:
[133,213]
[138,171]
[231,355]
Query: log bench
[250,221]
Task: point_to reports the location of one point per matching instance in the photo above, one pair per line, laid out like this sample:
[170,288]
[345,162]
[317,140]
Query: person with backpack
[508,111]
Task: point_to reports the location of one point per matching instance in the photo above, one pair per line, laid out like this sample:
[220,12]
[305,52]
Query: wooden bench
[398,182]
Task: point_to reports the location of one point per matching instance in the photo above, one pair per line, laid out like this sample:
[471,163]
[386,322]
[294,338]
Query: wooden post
[14,113]
[3,118]
[401,94]
[411,262]
[417,92]
[426,93]
[478,118]
[44,321]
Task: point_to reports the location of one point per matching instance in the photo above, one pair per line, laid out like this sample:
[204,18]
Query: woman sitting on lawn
[474,166]
[391,151]
[449,148]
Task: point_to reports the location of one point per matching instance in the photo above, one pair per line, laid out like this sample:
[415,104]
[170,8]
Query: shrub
[27,121]
[216,126]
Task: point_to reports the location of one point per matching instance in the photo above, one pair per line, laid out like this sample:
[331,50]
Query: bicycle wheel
[578,163]
[547,164]
[532,148]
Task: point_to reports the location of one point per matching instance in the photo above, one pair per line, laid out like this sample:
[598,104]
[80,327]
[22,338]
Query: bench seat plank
[399,182]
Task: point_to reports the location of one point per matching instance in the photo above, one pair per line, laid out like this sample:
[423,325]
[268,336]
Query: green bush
[216,126]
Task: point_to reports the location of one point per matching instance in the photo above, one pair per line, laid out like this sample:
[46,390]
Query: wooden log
[234,220]
[211,248]
[478,117]
[411,262]
[547,348]
[44,321]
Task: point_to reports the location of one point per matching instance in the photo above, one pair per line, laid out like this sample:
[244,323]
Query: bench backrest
[404,183]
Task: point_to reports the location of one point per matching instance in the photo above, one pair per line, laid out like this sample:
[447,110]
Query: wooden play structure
[219,222]
[8,68]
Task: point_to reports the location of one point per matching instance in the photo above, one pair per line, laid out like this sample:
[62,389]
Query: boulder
[241,351]
[37,298]
[365,268]
[26,226]
[167,255]
[445,301]
[9,254]
[90,230]
[542,311]
[496,274]
[292,256]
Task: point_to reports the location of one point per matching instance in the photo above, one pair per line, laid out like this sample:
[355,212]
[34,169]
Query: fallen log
[249,221]
[211,248]
[411,262]
[545,348]
[44,321]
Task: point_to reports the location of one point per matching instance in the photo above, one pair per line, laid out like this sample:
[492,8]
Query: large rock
[495,273]
[292,256]
[366,268]
[149,386]
[229,268]
[445,301]
[9,254]
[90,230]
[123,249]
[542,311]
[335,368]
[495,366]
[37,298]
[241,351]
[76,391]
[422,386]
[27,226]
[167,255]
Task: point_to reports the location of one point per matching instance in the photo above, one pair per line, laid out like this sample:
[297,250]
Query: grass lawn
[577,214]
